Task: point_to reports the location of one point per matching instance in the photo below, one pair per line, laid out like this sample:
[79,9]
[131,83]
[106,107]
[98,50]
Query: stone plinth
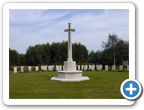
[69,76]
[69,66]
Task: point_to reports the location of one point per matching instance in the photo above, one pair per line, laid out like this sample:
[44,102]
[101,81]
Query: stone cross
[69,30]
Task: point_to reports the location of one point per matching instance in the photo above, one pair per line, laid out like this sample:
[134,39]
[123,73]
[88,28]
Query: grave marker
[15,69]
[22,68]
[106,67]
[120,67]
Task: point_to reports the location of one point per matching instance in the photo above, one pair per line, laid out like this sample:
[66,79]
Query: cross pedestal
[69,72]
[69,65]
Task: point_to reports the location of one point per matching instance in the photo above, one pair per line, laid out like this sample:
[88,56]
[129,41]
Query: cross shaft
[69,30]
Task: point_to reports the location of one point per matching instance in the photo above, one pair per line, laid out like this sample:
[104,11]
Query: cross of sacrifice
[69,30]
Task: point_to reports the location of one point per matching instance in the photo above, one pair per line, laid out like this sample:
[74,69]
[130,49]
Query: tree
[92,55]
[13,57]
[111,45]
[79,53]
[64,51]
[21,59]
[115,49]
[122,52]
[31,56]
[44,54]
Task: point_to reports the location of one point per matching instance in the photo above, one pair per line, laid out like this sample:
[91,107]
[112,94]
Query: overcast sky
[30,27]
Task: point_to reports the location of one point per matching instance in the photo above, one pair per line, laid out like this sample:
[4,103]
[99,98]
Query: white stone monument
[93,67]
[113,67]
[106,67]
[36,68]
[22,68]
[90,67]
[81,67]
[15,69]
[69,72]
[78,67]
[57,67]
[45,67]
[85,67]
[29,68]
[98,67]
[120,67]
[42,68]
[101,67]
[50,68]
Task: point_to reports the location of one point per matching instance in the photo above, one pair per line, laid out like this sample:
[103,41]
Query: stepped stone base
[70,76]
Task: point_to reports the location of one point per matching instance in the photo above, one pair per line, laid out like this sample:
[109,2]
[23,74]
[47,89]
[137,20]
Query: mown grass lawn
[37,85]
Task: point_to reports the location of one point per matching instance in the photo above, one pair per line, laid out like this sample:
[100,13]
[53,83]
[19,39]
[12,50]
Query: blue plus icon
[130,89]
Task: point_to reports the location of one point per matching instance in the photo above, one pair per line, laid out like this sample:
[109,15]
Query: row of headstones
[22,69]
[113,67]
[85,67]
[99,67]
[79,67]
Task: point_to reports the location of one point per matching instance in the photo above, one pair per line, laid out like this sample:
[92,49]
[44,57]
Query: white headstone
[50,68]
[42,67]
[85,67]
[120,67]
[60,68]
[57,67]
[53,67]
[93,67]
[36,68]
[106,67]
[29,68]
[22,68]
[113,67]
[98,67]
[45,67]
[15,69]
[90,67]
[101,67]
[78,67]
[82,67]
[127,67]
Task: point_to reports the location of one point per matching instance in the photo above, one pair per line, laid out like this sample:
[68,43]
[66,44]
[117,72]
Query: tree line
[115,50]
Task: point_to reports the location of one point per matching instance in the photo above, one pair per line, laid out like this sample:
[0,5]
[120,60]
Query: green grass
[37,85]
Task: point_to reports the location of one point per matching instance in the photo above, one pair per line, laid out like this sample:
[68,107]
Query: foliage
[114,49]
[18,68]
[110,68]
[89,69]
[124,70]
[26,69]
[56,53]
[54,69]
[13,57]
[21,59]
[43,70]
[33,68]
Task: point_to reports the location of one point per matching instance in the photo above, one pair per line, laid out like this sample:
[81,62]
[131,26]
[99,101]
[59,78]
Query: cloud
[42,26]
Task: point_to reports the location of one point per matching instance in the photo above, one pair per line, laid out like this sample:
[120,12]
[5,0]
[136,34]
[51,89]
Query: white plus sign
[131,89]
